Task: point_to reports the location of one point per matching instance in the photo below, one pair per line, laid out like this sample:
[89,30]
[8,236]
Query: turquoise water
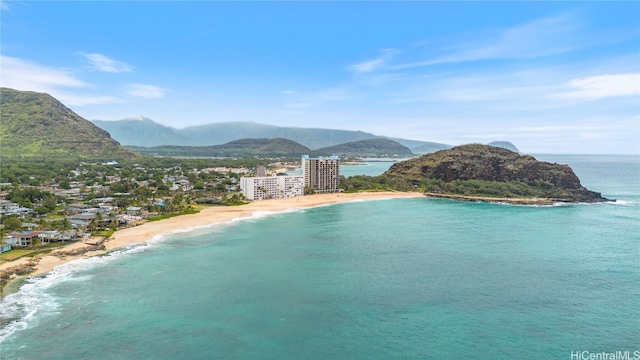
[371,168]
[394,279]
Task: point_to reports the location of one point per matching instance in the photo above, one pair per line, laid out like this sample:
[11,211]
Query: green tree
[12,223]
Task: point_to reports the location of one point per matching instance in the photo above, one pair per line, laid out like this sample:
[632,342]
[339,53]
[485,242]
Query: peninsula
[477,172]
[488,172]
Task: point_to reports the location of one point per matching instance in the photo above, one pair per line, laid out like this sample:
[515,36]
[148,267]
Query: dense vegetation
[279,147]
[479,170]
[366,148]
[37,126]
[242,148]
[36,173]
[144,182]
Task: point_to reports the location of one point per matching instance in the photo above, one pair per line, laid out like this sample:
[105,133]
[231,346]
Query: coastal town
[89,221]
[96,199]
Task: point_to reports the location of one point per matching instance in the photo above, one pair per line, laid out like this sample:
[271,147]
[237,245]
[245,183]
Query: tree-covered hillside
[239,148]
[378,147]
[35,125]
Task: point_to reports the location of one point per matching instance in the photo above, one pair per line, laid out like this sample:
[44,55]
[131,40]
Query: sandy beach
[219,214]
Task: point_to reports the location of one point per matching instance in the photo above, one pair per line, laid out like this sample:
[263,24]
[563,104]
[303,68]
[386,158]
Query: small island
[477,172]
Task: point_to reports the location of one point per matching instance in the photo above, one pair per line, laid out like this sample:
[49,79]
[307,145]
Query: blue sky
[551,77]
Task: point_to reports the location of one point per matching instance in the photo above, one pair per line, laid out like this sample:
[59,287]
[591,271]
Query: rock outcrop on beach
[482,170]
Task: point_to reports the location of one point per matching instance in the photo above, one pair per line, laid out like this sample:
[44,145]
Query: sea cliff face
[482,170]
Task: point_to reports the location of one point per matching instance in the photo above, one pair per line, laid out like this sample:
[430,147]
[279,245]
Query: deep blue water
[394,279]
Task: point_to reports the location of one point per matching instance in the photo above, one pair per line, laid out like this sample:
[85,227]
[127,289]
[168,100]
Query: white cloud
[26,75]
[602,86]
[29,76]
[146,91]
[541,37]
[103,63]
[72,99]
[374,64]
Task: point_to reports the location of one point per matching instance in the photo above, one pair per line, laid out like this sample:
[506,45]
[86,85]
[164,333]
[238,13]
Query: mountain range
[142,131]
[279,147]
[36,125]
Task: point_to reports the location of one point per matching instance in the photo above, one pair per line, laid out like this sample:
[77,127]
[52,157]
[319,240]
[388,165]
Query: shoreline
[42,264]
[513,201]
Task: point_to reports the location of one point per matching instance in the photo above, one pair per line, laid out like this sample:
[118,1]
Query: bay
[413,278]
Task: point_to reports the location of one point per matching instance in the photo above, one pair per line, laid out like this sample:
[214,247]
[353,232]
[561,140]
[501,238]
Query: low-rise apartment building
[272,187]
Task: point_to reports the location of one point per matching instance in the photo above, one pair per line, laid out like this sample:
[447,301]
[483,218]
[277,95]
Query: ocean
[415,278]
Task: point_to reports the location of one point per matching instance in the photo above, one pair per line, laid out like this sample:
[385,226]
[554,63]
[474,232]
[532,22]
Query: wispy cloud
[376,63]
[146,91]
[25,75]
[105,64]
[541,37]
[4,6]
[602,86]
[74,99]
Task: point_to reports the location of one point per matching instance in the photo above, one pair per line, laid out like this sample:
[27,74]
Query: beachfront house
[21,238]
[54,235]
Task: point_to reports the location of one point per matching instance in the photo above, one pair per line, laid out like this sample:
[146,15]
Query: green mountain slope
[482,170]
[35,125]
[277,147]
[379,147]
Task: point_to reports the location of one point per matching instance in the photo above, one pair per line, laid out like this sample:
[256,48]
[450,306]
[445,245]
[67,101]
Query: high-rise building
[321,174]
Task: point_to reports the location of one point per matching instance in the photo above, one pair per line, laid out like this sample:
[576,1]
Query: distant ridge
[142,131]
[148,133]
[379,147]
[36,125]
[505,145]
[277,147]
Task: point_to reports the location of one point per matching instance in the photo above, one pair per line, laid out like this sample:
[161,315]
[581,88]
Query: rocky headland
[489,173]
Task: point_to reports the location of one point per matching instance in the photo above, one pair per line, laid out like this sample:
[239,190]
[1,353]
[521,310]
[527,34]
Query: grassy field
[17,253]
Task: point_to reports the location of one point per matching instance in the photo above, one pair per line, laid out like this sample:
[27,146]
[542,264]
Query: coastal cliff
[482,171]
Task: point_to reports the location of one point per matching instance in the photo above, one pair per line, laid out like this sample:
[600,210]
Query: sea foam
[21,310]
